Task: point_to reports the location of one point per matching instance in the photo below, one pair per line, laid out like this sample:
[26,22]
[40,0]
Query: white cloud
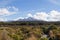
[29,15]
[40,16]
[51,16]
[6,11]
[54,16]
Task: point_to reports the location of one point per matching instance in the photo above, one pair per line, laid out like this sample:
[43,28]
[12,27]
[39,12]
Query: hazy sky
[48,10]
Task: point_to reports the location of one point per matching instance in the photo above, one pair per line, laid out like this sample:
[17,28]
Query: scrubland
[30,32]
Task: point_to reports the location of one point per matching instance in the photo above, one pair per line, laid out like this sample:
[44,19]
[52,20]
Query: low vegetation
[30,32]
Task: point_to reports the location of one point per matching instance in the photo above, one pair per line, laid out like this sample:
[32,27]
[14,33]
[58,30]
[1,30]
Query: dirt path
[4,35]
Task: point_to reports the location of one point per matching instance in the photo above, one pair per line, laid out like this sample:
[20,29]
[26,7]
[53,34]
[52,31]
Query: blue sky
[16,9]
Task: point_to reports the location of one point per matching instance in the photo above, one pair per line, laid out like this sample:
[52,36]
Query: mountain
[28,19]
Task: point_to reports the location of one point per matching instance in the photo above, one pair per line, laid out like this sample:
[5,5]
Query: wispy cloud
[57,2]
[3,3]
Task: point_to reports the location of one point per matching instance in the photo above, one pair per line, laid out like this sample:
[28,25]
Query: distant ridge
[29,19]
